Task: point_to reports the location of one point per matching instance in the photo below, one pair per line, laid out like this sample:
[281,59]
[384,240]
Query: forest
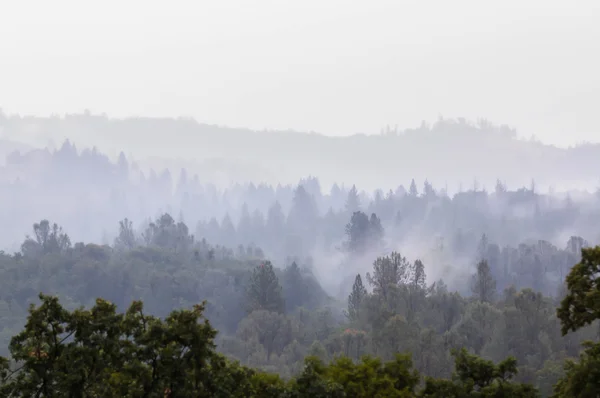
[116,281]
[392,328]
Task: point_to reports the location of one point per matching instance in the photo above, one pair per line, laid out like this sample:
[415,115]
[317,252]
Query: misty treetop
[412,291]
[272,318]
[101,352]
[66,183]
[524,229]
[444,151]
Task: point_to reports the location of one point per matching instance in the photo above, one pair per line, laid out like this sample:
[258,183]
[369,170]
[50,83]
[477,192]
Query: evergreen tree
[357,232]
[417,275]
[355,299]
[363,233]
[482,247]
[483,284]
[264,291]
[413,189]
[352,201]
[294,287]
[428,191]
[376,231]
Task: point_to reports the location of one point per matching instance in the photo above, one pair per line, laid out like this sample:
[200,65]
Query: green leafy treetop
[100,353]
[368,378]
[579,308]
[476,377]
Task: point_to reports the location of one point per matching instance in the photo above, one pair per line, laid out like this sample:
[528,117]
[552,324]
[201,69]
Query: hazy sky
[332,66]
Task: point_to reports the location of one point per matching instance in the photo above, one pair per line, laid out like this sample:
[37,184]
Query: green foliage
[172,270]
[582,377]
[301,289]
[363,233]
[476,377]
[581,306]
[355,299]
[102,353]
[98,352]
[483,284]
[264,290]
[388,271]
[47,239]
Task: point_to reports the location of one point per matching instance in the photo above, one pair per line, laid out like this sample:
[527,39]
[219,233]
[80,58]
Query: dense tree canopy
[399,292]
[279,321]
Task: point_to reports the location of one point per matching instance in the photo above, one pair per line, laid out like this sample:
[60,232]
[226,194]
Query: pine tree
[355,299]
[482,247]
[376,231]
[428,190]
[413,189]
[264,291]
[357,231]
[417,275]
[353,201]
[295,289]
[483,284]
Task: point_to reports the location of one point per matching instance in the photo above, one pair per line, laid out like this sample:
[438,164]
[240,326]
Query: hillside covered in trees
[315,289]
[476,151]
[273,318]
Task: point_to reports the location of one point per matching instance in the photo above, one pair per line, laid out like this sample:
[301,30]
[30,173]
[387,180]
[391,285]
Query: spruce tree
[264,290]
[483,284]
[355,299]
[353,201]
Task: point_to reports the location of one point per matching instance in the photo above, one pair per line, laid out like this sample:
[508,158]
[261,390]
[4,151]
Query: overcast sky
[332,66]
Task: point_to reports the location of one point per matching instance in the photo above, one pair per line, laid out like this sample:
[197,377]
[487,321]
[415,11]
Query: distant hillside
[449,152]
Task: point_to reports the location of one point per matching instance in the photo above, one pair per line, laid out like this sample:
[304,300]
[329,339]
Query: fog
[268,157]
[338,68]
[437,189]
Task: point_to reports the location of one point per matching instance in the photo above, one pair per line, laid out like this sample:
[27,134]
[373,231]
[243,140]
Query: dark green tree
[579,308]
[355,299]
[363,233]
[357,233]
[264,291]
[477,377]
[295,290]
[483,285]
[388,271]
[102,353]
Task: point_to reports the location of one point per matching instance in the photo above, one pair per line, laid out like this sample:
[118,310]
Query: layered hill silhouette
[448,152]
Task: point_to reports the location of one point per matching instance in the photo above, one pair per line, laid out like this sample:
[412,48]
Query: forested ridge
[475,150]
[279,321]
[409,291]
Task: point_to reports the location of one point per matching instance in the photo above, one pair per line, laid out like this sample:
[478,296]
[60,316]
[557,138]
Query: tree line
[100,352]
[272,318]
